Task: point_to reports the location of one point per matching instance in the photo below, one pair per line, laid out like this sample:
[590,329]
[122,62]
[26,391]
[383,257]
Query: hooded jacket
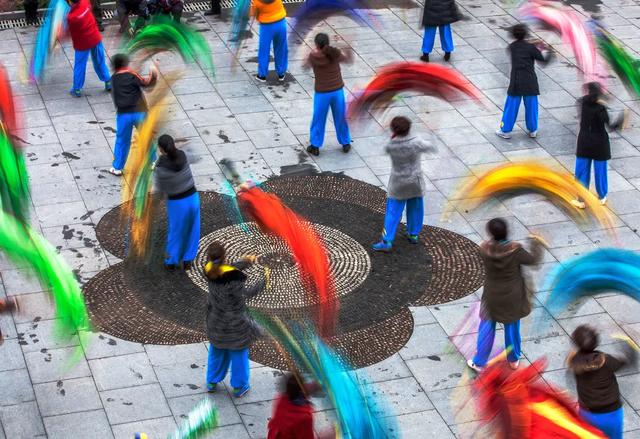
[523,80]
[228,324]
[593,139]
[440,12]
[326,69]
[127,90]
[267,11]
[174,178]
[82,26]
[406,180]
[291,420]
[596,381]
[506,297]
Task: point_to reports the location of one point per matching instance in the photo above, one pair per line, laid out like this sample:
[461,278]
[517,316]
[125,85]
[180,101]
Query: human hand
[538,239]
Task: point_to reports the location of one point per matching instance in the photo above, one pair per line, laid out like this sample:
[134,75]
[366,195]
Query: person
[130,106]
[173,177]
[329,92]
[96,8]
[126,7]
[273,28]
[598,392]
[507,297]
[167,7]
[8,305]
[215,8]
[293,413]
[438,15]
[31,11]
[406,185]
[229,328]
[86,40]
[523,84]
[593,142]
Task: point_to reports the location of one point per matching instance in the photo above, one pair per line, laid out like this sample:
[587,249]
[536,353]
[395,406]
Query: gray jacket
[228,324]
[174,178]
[406,179]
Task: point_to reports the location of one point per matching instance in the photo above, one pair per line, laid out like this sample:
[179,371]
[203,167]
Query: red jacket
[291,421]
[82,26]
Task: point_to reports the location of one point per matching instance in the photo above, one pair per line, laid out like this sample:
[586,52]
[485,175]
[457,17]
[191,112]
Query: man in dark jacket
[593,142]
[506,297]
[167,7]
[523,83]
[438,15]
[126,7]
[131,108]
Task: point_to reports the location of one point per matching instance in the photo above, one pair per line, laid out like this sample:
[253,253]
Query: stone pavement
[122,387]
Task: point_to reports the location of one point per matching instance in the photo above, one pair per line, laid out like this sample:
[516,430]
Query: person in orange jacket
[273,28]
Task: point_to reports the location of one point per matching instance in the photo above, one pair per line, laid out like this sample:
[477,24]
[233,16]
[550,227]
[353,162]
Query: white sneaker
[533,134]
[502,134]
[579,204]
[603,201]
[514,364]
[116,172]
[474,366]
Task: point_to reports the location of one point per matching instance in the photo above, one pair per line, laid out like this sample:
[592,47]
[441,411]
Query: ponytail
[168,146]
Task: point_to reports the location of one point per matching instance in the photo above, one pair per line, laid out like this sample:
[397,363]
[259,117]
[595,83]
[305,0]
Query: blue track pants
[322,101]
[276,32]
[486,335]
[393,215]
[446,38]
[610,424]
[218,365]
[124,129]
[99,65]
[184,229]
[511,107]
[583,174]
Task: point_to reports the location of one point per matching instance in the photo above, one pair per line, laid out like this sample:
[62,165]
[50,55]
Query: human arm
[346,56]
[539,56]
[150,79]
[629,355]
[534,255]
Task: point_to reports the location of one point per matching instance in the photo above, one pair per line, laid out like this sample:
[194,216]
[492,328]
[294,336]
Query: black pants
[125,7]
[96,7]
[176,11]
[215,6]
[31,11]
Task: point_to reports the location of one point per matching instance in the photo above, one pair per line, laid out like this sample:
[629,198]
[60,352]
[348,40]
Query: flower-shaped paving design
[144,303]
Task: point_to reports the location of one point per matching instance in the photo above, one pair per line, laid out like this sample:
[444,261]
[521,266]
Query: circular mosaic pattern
[144,303]
[349,263]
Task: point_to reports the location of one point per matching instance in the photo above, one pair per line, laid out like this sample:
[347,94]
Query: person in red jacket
[293,413]
[87,41]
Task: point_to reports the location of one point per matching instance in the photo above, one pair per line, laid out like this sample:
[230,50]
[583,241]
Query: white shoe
[514,364]
[533,134]
[474,366]
[502,134]
[603,201]
[579,204]
[116,172]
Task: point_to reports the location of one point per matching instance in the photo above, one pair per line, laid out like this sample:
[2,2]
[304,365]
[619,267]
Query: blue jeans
[218,365]
[124,129]
[446,39]
[511,107]
[184,229]
[393,215]
[583,174]
[276,32]
[610,424]
[486,335]
[321,103]
[99,65]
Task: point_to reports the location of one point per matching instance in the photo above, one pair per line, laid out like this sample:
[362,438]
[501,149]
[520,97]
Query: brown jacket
[327,70]
[506,297]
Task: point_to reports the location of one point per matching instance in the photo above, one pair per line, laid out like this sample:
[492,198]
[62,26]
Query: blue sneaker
[107,86]
[76,93]
[212,387]
[239,392]
[413,239]
[382,246]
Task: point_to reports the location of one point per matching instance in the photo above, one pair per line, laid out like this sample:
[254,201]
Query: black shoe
[281,78]
[186,265]
[260,78]
[424,57]
[100,27]
[170,267]
[447,56]
[346,148]
[313,150]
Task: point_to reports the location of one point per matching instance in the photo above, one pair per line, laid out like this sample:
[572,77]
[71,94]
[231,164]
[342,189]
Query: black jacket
[524,81]
[440,12]
[593,139]
[127,91]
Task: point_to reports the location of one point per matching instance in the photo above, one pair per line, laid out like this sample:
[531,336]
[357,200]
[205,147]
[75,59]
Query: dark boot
[447,56]
[31,11]
[424,57]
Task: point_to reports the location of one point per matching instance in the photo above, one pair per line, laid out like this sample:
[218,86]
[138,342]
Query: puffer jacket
[440,12]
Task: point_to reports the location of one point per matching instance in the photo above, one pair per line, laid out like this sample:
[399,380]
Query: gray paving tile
[227,412]
[21,420]
[160,427]
[11,354]
[67,396]
[98,345]
[15,387]
[65,426]
[132,404]
[441,372]
[122,371]
[53,365]
[426,341]
[414,425]
[42,335]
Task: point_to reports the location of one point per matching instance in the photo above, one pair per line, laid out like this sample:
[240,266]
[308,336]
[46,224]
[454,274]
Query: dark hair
[497,228]
[585,338]
[520,31]
[322,43]
[168,146]
[400,126]
[216,252]
[594,89]
[119,61]
[292,387]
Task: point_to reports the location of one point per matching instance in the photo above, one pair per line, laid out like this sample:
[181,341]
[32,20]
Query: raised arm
[346,56]
[534,255]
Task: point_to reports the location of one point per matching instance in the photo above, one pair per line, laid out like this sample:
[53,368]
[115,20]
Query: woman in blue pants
[273,29]
[329,93]
[406,185]
[506,297]
[173,177]
[438,16]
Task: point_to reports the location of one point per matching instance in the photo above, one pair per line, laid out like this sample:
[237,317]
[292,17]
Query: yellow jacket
[268,12]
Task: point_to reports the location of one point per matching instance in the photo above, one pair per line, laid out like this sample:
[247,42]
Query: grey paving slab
[137,403]
[122,371]
[21,420]
[66,426]
[53,365]
[159,427]
[15,387]
[67,396]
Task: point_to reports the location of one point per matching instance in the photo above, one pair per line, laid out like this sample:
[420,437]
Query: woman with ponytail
[173,177]
[329,92]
